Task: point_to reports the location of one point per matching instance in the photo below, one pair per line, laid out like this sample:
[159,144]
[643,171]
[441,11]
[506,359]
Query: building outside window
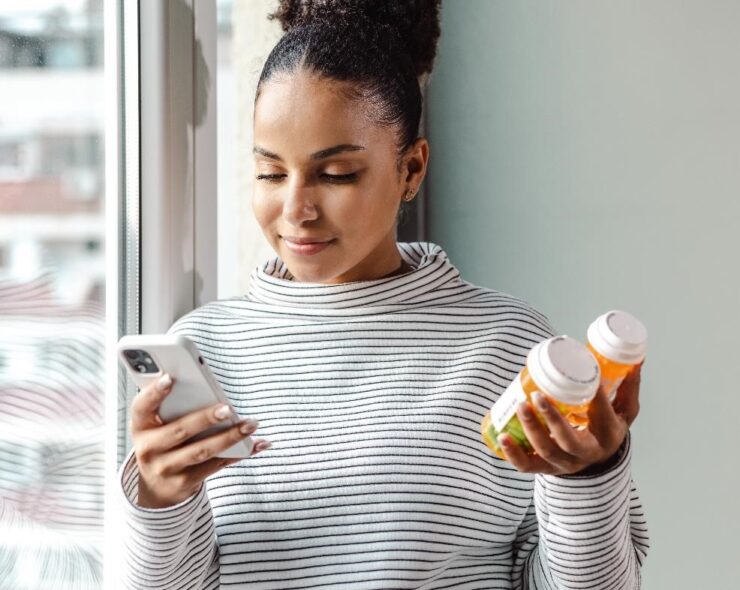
[52,286]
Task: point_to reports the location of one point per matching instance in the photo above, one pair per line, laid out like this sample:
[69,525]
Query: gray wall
[585,155]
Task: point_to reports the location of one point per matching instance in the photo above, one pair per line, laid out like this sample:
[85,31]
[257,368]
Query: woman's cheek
[264,210]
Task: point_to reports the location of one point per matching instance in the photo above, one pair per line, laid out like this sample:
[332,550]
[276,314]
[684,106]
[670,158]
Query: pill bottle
[618,340]
[564,371]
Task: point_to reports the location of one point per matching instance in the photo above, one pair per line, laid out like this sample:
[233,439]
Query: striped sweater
[372,393]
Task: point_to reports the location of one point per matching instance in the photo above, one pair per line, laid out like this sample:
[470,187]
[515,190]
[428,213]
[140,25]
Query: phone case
[194,386]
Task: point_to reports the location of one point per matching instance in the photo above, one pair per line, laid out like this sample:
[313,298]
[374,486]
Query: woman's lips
[306,249]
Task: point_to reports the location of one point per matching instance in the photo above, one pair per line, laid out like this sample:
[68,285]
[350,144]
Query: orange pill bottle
[560,368]
[618,340]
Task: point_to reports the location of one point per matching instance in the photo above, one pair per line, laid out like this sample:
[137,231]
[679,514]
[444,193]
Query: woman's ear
[415,163]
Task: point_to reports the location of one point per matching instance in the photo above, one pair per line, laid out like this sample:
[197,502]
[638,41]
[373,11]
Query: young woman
[369,365]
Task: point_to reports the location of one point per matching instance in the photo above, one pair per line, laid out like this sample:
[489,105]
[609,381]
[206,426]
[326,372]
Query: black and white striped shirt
[372,393]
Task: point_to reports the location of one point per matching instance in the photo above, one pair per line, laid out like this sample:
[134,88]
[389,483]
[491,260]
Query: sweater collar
[272,283]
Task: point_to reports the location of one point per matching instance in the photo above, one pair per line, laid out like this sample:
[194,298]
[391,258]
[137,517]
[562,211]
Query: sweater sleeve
[166,548]
[582,532]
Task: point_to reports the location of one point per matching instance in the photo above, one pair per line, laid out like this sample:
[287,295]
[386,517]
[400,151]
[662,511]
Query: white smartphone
[148,357]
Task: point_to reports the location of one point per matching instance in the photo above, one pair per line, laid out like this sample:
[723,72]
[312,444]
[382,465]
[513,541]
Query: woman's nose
[299,205]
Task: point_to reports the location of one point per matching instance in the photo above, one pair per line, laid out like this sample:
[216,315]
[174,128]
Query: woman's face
[326,173]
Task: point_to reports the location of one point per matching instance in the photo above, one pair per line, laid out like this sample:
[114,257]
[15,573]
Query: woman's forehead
[308,114]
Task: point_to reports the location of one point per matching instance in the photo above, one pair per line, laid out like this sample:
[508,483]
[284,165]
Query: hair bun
[412,24]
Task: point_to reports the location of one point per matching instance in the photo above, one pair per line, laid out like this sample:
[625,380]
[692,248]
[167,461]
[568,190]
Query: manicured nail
[222,412]
[526,411]
[248,426]
[264,445]
[503,440]
[164,382]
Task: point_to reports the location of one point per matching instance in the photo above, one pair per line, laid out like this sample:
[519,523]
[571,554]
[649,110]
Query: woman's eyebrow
[320,155]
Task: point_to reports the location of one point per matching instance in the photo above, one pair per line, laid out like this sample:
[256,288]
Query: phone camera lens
[142,368]
[131,354]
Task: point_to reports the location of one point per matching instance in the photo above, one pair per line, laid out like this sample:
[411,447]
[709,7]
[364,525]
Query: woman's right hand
[169,470]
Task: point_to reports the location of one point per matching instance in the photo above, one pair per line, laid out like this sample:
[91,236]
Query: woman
[369,364]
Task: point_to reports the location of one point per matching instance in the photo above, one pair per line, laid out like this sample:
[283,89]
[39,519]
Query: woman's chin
[312,269]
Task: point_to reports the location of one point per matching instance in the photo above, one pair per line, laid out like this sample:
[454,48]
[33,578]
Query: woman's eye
[339,178]
[335,178]
[270,177]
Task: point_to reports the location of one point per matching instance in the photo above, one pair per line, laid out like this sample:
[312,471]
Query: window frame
[160,201]
[161,175]
[178,200]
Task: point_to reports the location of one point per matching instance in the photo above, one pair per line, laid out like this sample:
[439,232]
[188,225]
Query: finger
[524,462]
[147,402]
[198,473]
[179,431]
[627,401]
[560,429]
[540,439]
[260,445]
[200,451]
[214,465]
[603,422]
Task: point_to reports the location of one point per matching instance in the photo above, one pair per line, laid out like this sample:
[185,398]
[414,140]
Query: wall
[254,38]
[585,156]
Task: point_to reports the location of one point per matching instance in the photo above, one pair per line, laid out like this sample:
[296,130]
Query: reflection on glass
[51,294]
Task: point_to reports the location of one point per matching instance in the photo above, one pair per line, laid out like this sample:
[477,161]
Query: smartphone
[148,357]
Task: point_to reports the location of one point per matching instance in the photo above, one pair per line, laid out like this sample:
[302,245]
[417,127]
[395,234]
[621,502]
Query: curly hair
[381,47]
[415,22]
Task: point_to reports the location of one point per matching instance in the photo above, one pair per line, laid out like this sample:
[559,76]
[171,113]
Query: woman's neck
[404,268]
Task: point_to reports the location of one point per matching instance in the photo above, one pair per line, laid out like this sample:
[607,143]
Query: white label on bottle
[503,410]
[611,388]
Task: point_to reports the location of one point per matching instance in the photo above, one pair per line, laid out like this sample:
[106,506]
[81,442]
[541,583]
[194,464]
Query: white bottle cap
[565,370]
[619,336]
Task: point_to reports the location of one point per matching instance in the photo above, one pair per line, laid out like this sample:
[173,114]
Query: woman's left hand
[566,450]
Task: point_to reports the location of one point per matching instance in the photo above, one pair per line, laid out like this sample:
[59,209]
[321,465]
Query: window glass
[51,294]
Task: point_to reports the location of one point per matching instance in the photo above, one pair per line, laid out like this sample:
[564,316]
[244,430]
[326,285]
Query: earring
[409,195]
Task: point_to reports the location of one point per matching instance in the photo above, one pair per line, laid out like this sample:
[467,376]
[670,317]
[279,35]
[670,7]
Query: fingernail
[222,412]
[503,440]
[539,400]
[265,445]
[164,382]
[248,426]
[525,410]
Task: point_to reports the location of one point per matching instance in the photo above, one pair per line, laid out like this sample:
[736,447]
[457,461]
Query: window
[52,285]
